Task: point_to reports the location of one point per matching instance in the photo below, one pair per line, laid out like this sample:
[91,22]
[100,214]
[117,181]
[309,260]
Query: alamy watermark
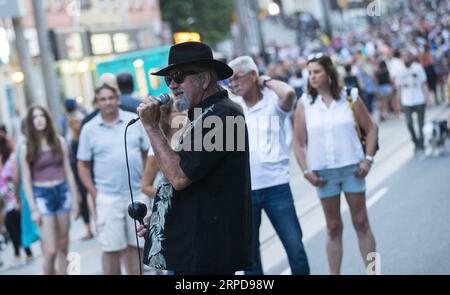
[74,264]
[215,133]
[73,8]
[374,263]
[375,8]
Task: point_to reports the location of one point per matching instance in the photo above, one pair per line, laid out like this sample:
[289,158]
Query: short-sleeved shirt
[410,81]
[104,144]
[269,151]
[208,224]
[332,138]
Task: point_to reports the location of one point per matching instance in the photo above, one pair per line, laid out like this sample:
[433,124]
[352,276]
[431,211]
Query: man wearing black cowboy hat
[201,220]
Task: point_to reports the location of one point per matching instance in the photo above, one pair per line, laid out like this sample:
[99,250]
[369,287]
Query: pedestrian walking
[101,142]
[411,84]
[11,207]
[49,187]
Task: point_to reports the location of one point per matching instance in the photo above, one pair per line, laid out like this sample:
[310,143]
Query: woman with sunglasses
[330,154]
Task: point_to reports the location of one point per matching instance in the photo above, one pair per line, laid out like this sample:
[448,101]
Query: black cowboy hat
[194,53]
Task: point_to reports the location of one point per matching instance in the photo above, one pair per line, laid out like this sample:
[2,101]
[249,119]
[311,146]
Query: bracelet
[369,158]
[305,172]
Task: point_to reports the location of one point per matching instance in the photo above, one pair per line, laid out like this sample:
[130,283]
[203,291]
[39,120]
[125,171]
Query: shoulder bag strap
[352,107]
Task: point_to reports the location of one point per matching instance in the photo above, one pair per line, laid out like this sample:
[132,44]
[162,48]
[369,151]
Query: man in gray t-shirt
[102,141]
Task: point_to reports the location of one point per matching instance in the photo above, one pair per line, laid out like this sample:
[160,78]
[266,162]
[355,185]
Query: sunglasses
[178,76]
[315,56]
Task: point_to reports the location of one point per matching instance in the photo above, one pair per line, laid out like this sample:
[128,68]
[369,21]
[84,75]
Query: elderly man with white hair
[267,104]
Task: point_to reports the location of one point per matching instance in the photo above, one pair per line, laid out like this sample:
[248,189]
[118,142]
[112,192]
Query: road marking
[370,202]
[377,196]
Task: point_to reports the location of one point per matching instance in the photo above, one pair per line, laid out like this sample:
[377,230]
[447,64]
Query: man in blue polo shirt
[101,141]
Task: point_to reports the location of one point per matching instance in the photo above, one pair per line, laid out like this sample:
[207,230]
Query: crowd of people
[205,205]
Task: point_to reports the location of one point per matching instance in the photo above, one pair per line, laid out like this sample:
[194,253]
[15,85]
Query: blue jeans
[278,204]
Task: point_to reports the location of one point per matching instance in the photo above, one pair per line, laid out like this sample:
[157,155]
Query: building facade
[82,34]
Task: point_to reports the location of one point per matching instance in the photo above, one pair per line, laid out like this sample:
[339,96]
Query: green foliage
[210,18]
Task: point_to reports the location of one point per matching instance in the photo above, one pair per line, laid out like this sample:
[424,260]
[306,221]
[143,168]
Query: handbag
[361,133]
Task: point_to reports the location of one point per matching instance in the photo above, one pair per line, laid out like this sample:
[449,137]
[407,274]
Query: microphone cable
[131,194]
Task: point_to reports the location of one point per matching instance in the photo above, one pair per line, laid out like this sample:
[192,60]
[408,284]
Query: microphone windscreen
[163,98]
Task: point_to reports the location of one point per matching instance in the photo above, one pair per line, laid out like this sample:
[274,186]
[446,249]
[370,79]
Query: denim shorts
[340,180]
[52,200]
[385,90]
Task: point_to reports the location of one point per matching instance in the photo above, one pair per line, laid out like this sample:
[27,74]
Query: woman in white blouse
[330,154]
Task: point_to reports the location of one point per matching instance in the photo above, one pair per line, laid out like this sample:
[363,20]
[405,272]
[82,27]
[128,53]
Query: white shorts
[115,229]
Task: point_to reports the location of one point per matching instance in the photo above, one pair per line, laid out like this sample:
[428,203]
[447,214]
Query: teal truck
[140,64]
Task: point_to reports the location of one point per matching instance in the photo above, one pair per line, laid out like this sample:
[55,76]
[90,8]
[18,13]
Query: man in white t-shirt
[411,85]
[267,105]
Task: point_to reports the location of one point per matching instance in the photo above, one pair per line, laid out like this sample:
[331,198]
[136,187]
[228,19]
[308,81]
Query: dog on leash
[435,134]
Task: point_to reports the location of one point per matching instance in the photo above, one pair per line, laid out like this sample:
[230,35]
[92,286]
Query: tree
[210,18]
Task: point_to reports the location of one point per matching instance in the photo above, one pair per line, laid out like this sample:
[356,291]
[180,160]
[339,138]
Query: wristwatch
[267,80]
[370,159]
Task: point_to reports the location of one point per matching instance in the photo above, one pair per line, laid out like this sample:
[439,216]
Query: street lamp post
[326,16]
[242,32]
[47,60]
[254,12]
[24,59]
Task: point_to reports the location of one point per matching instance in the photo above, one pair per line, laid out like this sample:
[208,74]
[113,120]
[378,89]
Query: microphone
[137,210]
[162,99]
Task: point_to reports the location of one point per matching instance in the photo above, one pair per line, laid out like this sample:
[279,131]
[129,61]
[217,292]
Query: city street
[408,203]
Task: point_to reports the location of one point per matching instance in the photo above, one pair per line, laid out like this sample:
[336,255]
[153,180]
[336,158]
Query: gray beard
[182,104]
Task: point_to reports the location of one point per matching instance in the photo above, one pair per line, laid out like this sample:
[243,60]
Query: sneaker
[16,262]
[87,237]
[29,259]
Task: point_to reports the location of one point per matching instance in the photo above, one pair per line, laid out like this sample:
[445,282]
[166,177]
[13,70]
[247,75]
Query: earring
[329,81]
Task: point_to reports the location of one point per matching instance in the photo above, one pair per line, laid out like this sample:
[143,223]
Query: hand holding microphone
[138,211]
[149,112]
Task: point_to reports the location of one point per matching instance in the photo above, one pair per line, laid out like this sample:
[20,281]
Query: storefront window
[74,45]
[121,42]
[101,44]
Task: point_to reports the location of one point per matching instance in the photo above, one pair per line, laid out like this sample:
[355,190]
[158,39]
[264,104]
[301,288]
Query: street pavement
[408,200]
